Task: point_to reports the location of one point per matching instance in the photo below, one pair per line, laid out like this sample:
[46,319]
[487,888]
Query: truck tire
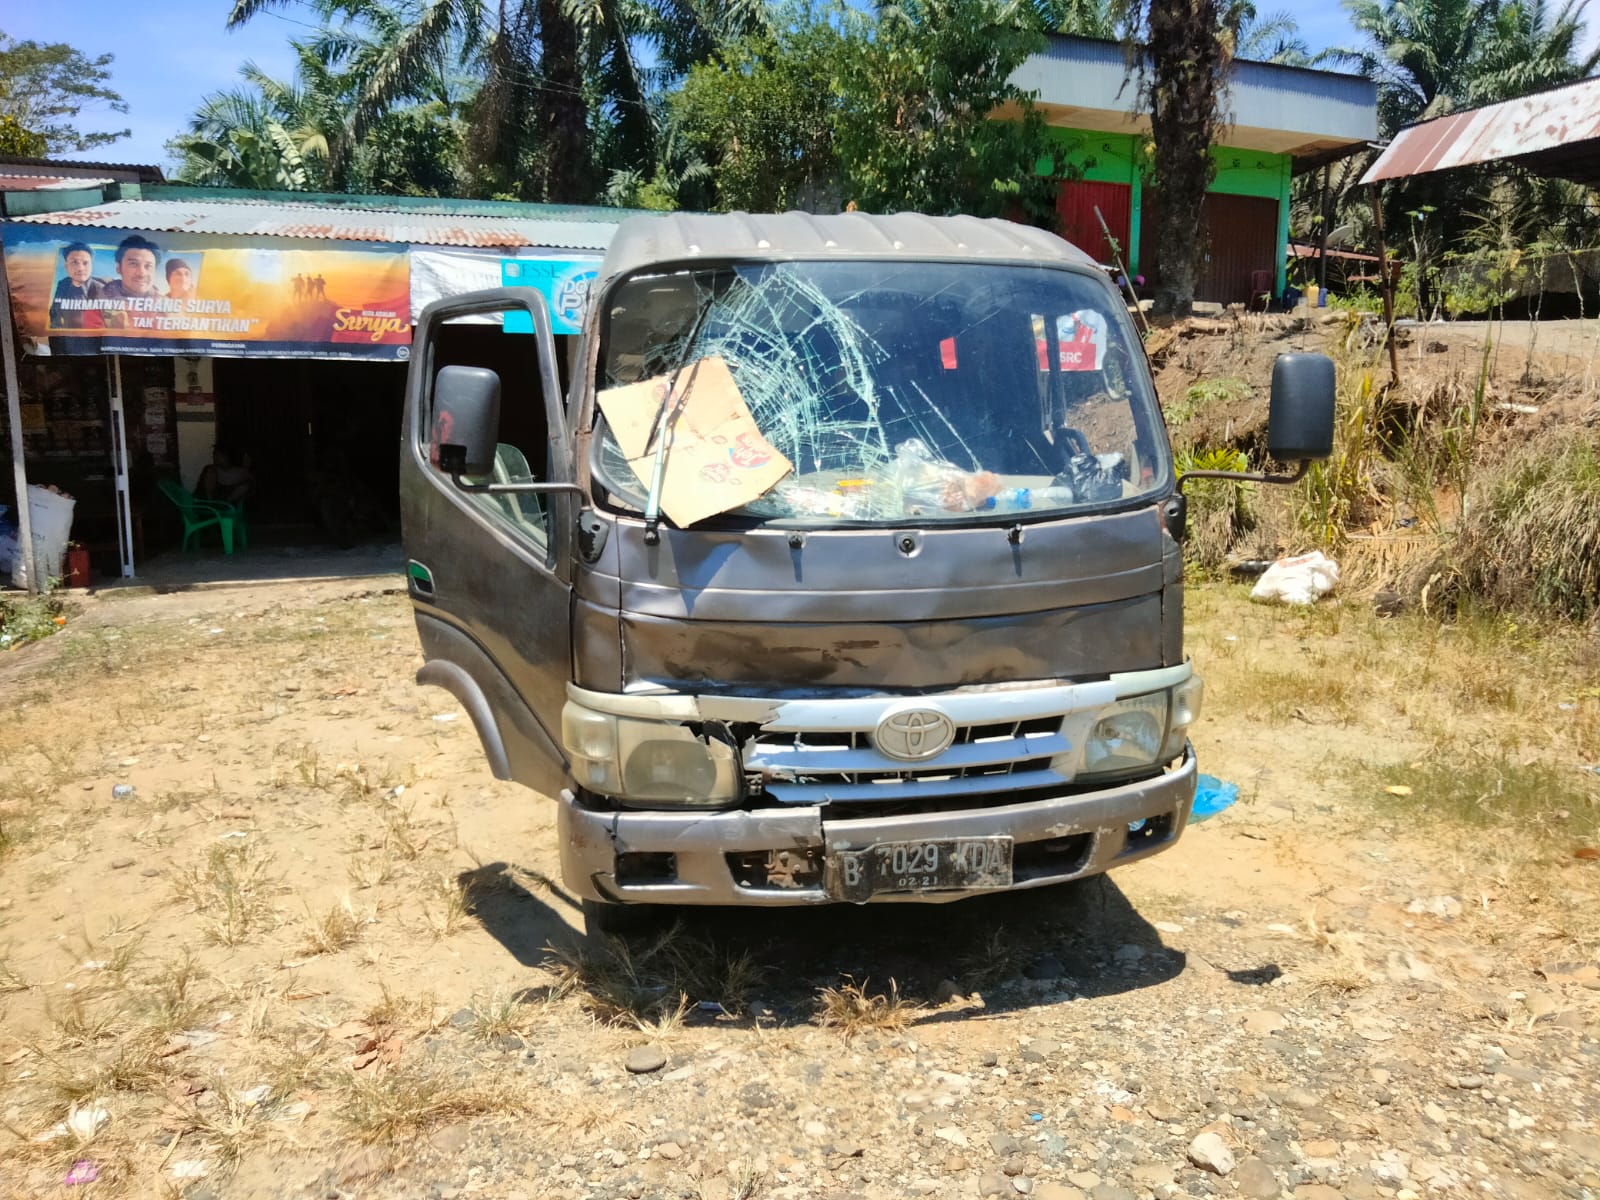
[617,920]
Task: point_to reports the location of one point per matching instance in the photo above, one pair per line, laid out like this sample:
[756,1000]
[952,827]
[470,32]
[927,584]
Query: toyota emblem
[915,733]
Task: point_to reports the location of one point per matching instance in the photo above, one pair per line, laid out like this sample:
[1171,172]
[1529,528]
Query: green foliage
[1220,510]
[45,88]
[14,139]
[762,113]
[1085,18]
[1431,57]
[1207,391]
[529,100]
[1337,492]
[1530,536]
[890,109]
[918,83]
[1435,458]
[27,618]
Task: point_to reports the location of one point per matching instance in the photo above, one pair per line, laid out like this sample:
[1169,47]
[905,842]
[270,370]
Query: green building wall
[1123,158]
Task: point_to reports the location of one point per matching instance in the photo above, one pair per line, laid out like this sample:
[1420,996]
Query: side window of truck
[523,449]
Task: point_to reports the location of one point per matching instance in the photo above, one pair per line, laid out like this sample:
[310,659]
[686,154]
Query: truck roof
[646,241]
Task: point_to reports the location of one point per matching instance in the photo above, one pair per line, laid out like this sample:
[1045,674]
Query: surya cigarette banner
[117,291]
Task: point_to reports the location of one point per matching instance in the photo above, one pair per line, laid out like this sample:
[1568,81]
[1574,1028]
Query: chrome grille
[843,766]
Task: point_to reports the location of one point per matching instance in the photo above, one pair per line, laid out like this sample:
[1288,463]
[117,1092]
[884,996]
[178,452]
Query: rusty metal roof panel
[287,220]
[1556,132]
[47,183]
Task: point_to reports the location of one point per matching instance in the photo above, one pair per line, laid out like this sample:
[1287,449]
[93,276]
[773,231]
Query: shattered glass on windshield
[905,390]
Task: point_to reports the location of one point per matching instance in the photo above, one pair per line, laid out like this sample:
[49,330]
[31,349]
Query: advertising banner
[565,284]
[116,291]
[446,271]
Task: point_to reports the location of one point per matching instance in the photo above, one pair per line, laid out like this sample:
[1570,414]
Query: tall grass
[1530,535]
[1221,511]
[1339,492]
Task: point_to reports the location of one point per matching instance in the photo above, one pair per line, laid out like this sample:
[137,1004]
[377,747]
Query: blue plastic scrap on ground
[1211,796]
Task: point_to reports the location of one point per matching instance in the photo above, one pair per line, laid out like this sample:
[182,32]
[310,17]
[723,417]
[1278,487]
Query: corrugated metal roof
[46,183]
[266,219]
[1082,83]
[686,237]
[126,172]
[352,201]
[1556,132]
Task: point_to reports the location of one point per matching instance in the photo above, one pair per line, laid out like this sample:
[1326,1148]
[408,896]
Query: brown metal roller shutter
[1241,235]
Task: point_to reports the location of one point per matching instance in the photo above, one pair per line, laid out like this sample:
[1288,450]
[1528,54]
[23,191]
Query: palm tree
[1273,38]
[1085,18]
[1530,46]
[238,138]
[1430,57]
[572,66]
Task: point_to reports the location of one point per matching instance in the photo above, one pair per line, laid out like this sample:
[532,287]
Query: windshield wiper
[666,420]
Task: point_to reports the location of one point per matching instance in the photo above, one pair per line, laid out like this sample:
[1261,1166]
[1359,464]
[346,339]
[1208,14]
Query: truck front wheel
[617,920]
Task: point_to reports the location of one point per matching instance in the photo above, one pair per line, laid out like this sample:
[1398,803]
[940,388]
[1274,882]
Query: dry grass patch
[652,983]
[497,1015]
[394,1009]
[853,1009]
[333,930]
[11,979]
[230,891]
[1476,788]
[395,1104]
[447,904]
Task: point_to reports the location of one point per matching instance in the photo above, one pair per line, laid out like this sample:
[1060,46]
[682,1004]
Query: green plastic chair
[199,514]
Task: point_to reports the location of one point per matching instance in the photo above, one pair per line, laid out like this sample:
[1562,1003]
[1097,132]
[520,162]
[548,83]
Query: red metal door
[1076,204]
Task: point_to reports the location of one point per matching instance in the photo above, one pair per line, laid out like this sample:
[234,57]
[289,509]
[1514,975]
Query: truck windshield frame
[901,391]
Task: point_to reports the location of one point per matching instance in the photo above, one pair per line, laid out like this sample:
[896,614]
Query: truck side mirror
[466,420]
[1300,417]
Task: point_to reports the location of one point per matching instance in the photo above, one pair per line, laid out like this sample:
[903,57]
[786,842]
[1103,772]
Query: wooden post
[1322,238]
[19,470]
[1122,271]
[1388,288]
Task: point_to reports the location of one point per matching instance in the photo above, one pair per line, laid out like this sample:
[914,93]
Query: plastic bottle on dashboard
[1014,499]
[1055,496]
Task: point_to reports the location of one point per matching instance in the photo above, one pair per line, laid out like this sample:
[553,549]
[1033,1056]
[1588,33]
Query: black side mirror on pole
[1300,421]
[466,420]
[1301,413]
[466,431]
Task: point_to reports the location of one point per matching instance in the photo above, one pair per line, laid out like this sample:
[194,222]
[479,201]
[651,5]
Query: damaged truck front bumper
[789,855]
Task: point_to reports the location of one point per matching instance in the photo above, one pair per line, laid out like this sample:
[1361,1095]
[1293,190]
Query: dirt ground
[318,951]
[1215,378]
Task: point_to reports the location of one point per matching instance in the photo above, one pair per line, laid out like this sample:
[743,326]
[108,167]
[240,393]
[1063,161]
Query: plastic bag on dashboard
[1094,478]
[925,482]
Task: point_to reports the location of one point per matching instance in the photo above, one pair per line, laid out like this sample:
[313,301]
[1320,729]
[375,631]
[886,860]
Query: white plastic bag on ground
[1303,579]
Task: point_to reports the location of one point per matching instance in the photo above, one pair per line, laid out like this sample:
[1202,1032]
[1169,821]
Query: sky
[170,54]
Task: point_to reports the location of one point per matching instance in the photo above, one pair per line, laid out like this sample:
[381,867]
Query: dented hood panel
[849,608]
[864,575]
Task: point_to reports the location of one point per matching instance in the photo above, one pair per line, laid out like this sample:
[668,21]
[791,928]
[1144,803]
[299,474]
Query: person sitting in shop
[227,478]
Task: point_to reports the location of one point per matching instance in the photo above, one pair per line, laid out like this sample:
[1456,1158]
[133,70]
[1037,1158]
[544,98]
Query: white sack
[1303,579]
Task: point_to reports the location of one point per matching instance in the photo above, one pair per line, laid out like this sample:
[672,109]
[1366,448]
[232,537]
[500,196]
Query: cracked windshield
[875,392]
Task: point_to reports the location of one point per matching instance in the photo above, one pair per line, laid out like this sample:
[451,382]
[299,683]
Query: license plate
[953,864]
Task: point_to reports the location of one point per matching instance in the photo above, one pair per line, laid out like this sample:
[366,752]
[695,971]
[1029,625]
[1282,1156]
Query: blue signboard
[564,283]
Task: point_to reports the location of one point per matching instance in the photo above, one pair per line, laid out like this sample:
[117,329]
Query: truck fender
[465,689]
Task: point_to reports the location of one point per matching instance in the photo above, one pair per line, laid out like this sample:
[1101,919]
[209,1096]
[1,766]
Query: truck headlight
[660,762]
[1186,698]
[1127,735]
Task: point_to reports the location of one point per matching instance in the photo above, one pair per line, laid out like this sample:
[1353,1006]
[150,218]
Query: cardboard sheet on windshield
[717,458]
